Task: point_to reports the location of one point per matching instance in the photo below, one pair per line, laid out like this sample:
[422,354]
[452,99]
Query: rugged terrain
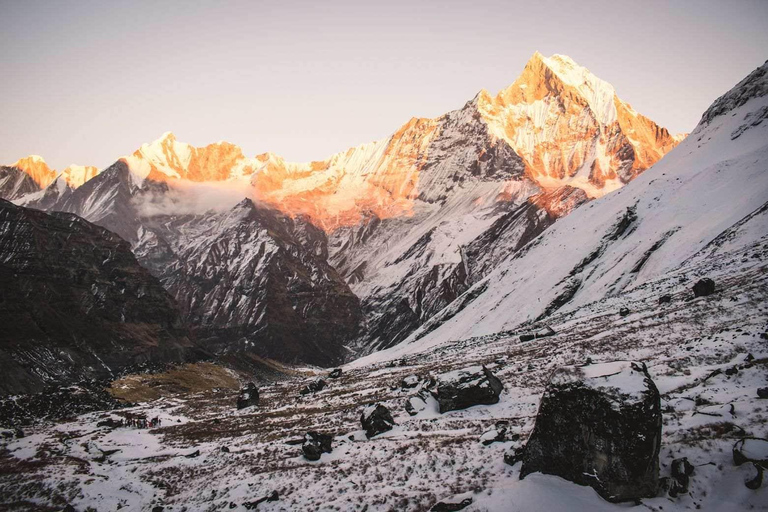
[75,304]
[614,280]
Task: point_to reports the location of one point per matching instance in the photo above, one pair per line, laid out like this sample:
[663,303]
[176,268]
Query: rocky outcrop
[75,304]
[376,419]
[599,425]
[467,387]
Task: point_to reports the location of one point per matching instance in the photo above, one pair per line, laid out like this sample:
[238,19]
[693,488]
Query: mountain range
[324,261]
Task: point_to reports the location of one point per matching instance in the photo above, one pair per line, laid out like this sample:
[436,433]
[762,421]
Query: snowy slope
[713,182]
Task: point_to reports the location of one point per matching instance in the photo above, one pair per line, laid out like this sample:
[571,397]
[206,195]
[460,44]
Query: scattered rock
[410,382]
[158,508]
[731,371]
[681,477]
[316,444]
[624,311]
[192,455]
[704,287]
[68,508]
[599,425]
[751,449]
[762,392]
[376,419]
[313,387]
[250,505]
[335,374]
[514,455]
[248,397]
[757,481]
[225,449]
[527,337]
[415,404]
[665,299]
[496,434]
[444,506]
[467,387]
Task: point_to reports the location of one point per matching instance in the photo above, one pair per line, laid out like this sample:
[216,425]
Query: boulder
[316,444]
[415,404]
[751,449]
[496,434]
[248,397]
[665,299]
[599,425]
[762,392]
[624,312]
[410,382]
[376,419]
[313,387]
[447,506]
[335,374]
[467,387]
[703,287]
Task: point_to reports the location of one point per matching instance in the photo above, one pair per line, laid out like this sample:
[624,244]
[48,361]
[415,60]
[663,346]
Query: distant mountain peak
[37,169]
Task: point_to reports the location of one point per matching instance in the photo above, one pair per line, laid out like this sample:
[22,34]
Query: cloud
[187,197]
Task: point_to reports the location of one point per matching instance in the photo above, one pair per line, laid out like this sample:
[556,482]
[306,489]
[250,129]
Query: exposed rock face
[316,444]
[704,287]
[252,280]
[376,419]
[599,425]
[248,397]
[15,183]
[75,304]
[467,387]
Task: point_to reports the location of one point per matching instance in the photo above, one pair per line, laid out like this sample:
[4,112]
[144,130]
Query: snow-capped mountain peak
[36,167]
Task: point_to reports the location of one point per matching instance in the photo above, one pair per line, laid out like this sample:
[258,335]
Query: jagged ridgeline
[340,257]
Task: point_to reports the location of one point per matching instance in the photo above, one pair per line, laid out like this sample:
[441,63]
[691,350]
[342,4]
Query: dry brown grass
[185,379]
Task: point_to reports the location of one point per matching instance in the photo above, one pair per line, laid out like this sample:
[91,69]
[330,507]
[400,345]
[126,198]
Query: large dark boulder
[449,506]
[599,425]
[313,387]
[316,444]
[467,387]
[248,397]
[376,419]
[751,449]
[704,287]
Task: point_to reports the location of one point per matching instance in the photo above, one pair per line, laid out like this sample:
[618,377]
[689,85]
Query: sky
[86,82]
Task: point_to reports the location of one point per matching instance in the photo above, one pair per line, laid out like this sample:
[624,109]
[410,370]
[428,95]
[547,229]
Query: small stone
[335,374]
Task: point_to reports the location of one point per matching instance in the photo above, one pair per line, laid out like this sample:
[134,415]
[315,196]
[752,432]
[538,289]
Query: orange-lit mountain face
[568,126]
[37,169]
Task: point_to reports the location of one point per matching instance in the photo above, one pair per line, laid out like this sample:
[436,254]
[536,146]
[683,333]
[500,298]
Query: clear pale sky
[89,81]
